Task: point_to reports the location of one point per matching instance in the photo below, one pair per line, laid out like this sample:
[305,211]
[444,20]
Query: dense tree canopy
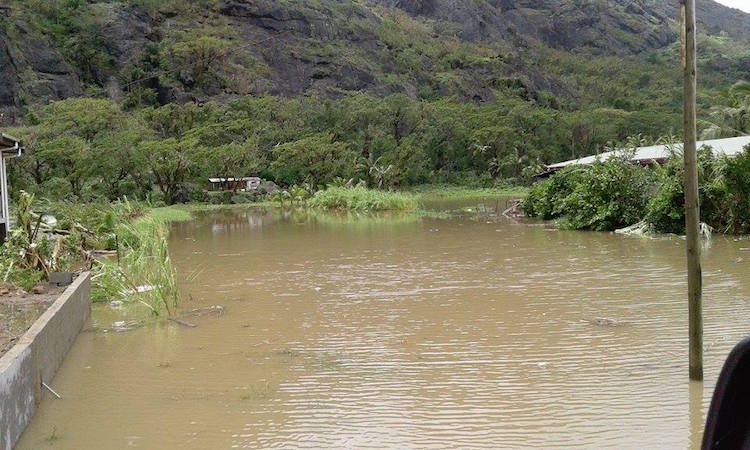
[94,148]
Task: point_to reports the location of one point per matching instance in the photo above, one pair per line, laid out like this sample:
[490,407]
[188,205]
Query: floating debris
[123,325]
[138,290]
[641,228]
[217,310]
[606,322]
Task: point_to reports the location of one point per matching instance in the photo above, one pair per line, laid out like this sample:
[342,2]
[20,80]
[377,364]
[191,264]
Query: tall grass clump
[171,214]
[362,199]
[144,272]
[450,192]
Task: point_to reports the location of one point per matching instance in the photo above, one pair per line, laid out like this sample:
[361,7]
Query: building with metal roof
[657,154]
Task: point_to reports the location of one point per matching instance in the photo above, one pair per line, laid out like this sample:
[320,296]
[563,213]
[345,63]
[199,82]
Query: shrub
[546,200]
[242,198]
[612,195]
[735,176]
[666,210]
[724,194]
[602,197]
[219,197]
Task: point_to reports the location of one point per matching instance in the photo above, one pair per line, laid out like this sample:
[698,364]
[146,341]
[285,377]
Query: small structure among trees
[10,147]
[247,184]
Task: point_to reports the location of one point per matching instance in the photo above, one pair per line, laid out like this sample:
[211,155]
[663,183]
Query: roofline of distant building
[656,154]
[10,146]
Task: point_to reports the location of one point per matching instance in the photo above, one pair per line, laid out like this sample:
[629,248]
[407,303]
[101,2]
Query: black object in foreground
[728,423]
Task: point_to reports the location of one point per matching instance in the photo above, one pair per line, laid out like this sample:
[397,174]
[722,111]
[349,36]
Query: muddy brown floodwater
[406,332]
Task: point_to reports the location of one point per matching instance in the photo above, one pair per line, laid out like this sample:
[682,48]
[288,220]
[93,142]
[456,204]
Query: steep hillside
[161,51]
[148,98]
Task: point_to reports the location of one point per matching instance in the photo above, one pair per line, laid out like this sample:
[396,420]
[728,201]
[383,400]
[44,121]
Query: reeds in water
[144,273]
[362,199]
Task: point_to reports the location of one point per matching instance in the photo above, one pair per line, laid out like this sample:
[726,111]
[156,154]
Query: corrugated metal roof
[232,180]
[729,147]
[7,141]
[10,146]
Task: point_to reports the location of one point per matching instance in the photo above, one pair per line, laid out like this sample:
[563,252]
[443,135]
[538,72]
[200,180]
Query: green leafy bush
[602,197]
[219,197]
[612,195]
[732,191]
[546,200]
[615,194]
[242,197]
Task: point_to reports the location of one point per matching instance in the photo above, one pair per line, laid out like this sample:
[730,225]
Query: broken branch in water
[183,322]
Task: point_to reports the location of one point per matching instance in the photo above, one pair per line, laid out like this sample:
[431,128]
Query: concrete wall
[36,357]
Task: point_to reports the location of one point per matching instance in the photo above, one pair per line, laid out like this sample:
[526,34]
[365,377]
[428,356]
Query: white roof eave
[728,147]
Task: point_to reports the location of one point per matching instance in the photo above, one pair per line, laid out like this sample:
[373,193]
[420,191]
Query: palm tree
[299,194]
[279,197]
[378,173]
[734,118]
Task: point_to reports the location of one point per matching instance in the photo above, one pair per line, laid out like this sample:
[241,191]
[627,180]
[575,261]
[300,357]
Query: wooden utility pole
[692,208]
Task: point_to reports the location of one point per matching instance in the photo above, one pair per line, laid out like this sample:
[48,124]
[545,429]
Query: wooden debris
[184,323]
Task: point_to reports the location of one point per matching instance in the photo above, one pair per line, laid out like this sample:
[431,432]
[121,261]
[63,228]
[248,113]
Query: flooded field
[405,332]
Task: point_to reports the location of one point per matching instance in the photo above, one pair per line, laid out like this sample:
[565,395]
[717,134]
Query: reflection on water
[407,332]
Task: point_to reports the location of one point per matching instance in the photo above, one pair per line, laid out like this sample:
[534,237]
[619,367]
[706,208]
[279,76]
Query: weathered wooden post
[692,208]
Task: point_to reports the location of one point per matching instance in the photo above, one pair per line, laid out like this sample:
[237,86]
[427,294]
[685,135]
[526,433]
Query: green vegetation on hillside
[166,93]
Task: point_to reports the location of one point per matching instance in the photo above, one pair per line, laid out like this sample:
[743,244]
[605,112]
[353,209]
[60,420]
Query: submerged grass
[440,192]
[363,199]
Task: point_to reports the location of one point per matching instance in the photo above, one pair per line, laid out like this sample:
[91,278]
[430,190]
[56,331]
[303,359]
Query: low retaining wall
[36,357]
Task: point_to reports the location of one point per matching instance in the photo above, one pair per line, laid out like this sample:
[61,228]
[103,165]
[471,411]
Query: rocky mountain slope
[161,51]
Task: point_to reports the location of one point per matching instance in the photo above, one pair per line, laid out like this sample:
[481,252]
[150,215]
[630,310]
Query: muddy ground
[19,310]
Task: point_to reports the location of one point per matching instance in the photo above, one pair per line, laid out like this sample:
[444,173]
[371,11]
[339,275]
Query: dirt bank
[19,310]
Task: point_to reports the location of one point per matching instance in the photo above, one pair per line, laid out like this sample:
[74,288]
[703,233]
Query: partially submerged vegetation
[189,99]
[363,199]
[453,192]
[144,273]
[613,194]
[123,244]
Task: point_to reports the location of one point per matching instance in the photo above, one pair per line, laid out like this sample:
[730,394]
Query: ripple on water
[479,336]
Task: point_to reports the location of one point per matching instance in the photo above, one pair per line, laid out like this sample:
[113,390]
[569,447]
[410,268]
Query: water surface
[406,332]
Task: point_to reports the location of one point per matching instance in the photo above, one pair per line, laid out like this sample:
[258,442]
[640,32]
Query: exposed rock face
[51,76]
[269,15]
[334,46]
[563,25]
[8,77]
[128,30]
[55,78]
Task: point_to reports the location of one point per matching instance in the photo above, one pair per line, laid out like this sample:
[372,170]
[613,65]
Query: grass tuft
[145,273]
[363,199]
